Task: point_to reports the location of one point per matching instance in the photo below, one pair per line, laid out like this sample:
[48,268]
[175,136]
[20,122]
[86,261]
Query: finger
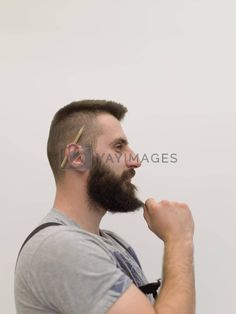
[150,202]
[146,215]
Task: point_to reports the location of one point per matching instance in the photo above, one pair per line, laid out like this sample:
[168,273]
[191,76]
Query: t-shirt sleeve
[74,275]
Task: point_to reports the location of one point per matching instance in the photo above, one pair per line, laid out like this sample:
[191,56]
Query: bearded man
[68,265]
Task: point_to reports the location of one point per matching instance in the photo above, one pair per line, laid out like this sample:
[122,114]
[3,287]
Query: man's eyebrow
[119,140]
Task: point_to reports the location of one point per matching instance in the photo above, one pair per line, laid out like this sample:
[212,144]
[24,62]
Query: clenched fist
[170,221]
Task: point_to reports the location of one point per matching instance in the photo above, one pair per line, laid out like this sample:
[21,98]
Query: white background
[172,63]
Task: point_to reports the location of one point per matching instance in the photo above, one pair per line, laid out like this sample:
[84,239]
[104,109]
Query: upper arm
[132,301]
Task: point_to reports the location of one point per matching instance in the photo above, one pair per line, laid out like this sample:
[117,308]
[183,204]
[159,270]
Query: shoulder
[62,243]
[70,242]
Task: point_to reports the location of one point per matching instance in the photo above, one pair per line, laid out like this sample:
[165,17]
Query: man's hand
[173,223]
[170,221]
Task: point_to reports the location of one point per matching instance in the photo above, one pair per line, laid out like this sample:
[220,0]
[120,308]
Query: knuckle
[165,202]
[183,205]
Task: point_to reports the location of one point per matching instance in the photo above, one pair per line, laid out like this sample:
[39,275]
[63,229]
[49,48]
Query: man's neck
[75,204]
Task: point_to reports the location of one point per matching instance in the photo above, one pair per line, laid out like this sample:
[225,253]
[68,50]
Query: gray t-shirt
[66,269]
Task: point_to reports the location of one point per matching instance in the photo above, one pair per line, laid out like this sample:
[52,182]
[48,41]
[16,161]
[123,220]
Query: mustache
[128,174]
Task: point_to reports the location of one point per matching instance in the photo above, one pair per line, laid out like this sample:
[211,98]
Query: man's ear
[75,156]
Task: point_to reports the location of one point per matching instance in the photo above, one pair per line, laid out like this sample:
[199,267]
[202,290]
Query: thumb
[150,203]
[146,214]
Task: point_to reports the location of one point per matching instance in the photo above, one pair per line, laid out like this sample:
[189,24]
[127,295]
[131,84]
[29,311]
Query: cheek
[113,158]
[118,163]
[114,167]
[115,164]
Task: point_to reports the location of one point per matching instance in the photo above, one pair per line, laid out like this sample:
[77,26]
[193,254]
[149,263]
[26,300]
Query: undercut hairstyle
[67,122]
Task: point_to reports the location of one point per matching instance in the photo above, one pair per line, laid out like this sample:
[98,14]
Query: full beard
[113,193]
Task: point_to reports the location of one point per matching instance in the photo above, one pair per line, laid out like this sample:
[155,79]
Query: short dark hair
[69,119]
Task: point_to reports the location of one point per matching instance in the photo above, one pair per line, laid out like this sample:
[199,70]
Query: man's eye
[118,146]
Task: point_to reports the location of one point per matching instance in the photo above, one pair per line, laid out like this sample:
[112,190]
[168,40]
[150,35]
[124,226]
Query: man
[76,267]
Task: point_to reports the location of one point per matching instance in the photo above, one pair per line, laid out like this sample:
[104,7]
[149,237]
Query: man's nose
[132,160]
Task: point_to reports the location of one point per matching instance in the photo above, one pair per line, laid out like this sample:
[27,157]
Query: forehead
[110,129]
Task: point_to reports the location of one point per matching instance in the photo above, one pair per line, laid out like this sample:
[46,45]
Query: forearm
[177,294]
